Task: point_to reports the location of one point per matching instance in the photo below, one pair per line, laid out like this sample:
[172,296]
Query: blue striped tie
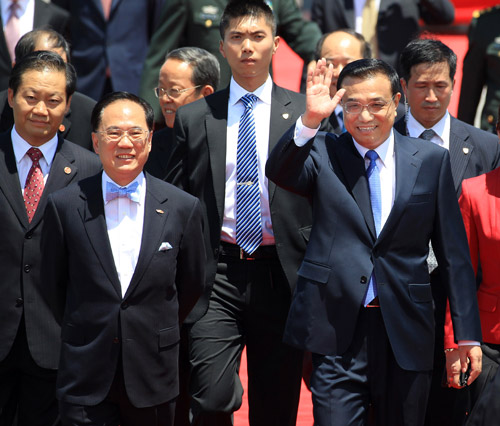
[248,223]
[373,174]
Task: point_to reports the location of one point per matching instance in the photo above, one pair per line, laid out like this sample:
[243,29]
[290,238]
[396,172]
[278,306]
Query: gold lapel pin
[285,115]
[67,170]
[466,151]
[159,211]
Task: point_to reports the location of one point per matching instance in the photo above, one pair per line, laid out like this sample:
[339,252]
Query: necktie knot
[34,154]
[427,134]
[14,8]
[249,100]
[114,191]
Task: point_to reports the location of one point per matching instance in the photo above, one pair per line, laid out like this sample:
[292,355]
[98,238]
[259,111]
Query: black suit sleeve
[191,260]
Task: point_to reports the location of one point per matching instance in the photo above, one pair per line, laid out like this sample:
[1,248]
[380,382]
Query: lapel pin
[159,211]
[62,128]
[67,170]
[466,150]
[285,115]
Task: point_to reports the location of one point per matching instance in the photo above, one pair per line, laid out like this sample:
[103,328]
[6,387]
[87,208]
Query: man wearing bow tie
[126,265]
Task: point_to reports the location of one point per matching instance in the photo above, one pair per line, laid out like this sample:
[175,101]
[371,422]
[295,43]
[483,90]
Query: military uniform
[196,23]
[482,67]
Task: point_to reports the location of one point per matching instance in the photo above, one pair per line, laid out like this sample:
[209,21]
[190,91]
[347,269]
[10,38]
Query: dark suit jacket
[198,165]
[161,151]
[76,123]
[99,324]
[482,67]
[472,151]
[196,23]
[120,43]
[20,246]
[46,15]
[397,20]
[343,249]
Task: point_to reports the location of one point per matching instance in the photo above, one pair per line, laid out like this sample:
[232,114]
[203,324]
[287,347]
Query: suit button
[216,252]
[363,280]
[124,305]
[116,340]
[29,235]
[19,302]
[27,268]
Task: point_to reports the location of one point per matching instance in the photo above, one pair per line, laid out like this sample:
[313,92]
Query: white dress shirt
[124,221]
[358,14]
[441,128]
[262,117]
[25,13]
[23,161]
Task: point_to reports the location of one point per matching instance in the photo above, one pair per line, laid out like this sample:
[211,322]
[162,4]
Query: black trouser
[248,306]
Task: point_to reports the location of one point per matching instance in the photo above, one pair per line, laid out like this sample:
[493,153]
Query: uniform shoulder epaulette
[477,13]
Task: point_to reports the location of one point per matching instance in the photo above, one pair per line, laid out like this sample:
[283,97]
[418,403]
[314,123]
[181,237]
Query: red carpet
[304,418]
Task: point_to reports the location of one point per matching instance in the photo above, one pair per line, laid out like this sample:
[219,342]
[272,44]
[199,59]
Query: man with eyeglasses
[363,304]
[125,266]
[188,74]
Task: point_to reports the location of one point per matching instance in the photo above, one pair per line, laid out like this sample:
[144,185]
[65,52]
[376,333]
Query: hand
[319,105]
[458,361]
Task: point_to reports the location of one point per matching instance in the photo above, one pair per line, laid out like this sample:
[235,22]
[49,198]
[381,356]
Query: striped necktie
[248,218]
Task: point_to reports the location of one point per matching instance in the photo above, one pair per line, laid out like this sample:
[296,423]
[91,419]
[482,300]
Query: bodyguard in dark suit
[39,93]
[188,74]
[46,14]
[76,123]
[427,77]
[363,303]
[482,68]
[196,23]
[125,266]
[248,292]
[109,46]
[397,21]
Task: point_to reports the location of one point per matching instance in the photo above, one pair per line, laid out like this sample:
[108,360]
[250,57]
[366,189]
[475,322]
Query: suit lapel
[155,218]
[216,131]
[407,169]
[92,213]
[460,152]
[353,168]
[280,122]
[9,180]
[62,171]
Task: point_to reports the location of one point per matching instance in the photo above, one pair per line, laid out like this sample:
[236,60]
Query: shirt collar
[20,147]
[264,92]
[384,150]
[415,129]
[140,179]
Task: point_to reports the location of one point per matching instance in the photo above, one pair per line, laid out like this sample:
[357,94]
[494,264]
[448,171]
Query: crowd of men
[321,232]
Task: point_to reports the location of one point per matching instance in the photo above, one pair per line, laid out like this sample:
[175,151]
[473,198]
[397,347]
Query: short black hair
[237,9]
[42,60]
[109,98]
[28,41]
[368,68]
[366,48]
[205,66]
[426,51]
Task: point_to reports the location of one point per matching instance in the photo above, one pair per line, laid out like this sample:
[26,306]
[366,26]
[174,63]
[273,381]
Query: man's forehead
[428,70]
[249,23]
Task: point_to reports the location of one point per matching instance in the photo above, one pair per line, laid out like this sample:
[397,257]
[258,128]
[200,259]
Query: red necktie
[34,183]
[106,8]
[12,30]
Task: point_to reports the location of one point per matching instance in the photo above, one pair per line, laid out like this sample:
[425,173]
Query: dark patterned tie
[248,220]
[431,258]
[34,183]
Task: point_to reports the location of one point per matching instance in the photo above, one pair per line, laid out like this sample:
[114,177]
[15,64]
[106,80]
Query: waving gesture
[319,105]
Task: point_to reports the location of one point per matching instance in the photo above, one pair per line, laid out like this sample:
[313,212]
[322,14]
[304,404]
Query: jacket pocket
[314,272]
[487,302]
[420,293]
[168,336]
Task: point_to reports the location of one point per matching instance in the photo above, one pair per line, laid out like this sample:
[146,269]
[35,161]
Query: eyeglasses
[135,134]
[172,93]
[375,107]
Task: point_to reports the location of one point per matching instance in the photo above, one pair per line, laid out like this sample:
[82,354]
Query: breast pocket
[420,198]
